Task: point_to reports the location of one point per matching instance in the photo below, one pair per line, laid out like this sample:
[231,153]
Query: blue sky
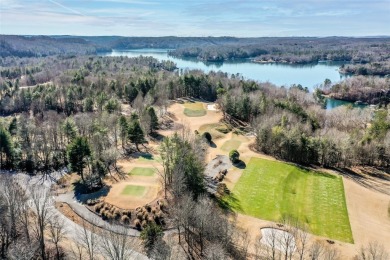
[196,18]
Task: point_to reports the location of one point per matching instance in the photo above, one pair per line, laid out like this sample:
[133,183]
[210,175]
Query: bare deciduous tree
[374,251]
[57,233]
[40,200]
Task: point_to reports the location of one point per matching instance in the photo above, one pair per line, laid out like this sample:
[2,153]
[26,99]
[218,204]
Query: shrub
[125,220]
[137,224]
[234,156]
[207,137]
[98,207]
[109,216]
[144,223]
[159,214]
[104,214]
[126,212]
[161,203]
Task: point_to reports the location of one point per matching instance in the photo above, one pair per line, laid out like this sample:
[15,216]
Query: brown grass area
[68,212]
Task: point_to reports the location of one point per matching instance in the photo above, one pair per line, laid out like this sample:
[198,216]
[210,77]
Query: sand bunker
[280,239]
[212,107]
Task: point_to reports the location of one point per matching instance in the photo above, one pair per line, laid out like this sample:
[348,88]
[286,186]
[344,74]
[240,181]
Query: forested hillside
[86,95]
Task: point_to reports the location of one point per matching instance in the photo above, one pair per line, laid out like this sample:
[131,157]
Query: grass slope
[133,190]
[195,109]
[142,171]
[273,190]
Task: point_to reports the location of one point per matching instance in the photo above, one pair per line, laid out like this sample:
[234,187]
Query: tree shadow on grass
[83,193]
[240,165]
[212,144]
[157,136]
[229,203]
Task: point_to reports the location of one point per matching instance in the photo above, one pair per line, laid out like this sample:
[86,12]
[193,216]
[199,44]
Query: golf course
[275,190]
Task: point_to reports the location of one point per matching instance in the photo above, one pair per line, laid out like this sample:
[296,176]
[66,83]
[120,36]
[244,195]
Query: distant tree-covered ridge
[292,50]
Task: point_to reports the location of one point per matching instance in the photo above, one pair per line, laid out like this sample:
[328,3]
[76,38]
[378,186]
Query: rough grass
[133,190]
[274,190]
[195,109]
[232,144]
[142,171]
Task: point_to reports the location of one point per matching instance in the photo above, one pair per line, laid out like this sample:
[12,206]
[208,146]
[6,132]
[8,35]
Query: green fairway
[133,190]
[274,190]
[195,109]
[142,171]
[231,145]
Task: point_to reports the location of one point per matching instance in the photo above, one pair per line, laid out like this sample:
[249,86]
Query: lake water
[309,76]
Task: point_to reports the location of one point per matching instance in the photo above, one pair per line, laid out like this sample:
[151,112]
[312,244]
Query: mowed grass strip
[231,145]
[134,190]
[142,171]
[195,109]
[273,190]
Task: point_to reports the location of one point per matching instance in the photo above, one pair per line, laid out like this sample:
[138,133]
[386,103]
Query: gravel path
[89,216]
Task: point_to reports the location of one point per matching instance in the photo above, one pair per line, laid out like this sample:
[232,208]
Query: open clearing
[194,109]
[273,190]
[142,171]
[133,190]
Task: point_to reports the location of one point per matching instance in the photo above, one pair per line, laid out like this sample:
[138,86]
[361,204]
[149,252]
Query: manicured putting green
[216,130]
[133,190]
[142,171]
[274,190]
[195,109]
[231,145]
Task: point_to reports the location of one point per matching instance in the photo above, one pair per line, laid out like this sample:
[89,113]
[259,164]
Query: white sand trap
[278,239]
[212,107]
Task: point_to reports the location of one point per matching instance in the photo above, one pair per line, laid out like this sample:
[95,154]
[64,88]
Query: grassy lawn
[142,171]
[231,145]
[273,190]
[133,190]
[195,109]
